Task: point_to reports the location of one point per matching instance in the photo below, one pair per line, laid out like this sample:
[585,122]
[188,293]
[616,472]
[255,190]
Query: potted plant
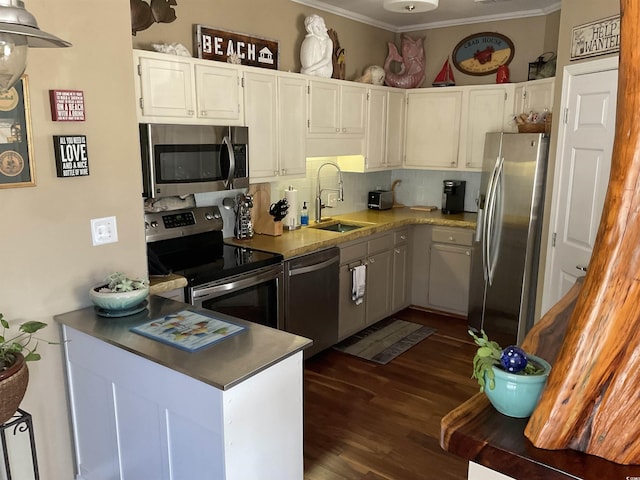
[120,295]
[15,350]
[515,379]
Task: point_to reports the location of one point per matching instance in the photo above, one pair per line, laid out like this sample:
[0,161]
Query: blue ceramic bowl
[117,301]
[517,395]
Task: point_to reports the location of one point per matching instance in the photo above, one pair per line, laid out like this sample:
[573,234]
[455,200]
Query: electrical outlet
[104,230]
[332,199]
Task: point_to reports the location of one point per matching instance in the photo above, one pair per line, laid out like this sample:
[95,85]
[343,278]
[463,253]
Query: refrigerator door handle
[485,221]
[491,256]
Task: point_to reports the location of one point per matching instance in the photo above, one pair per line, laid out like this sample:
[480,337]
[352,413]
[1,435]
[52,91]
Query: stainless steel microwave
[180,160]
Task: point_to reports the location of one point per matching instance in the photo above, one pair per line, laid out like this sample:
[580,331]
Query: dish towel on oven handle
[358,283]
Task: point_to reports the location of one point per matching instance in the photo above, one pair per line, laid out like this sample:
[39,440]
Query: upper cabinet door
[433,128]
[353,109]
[292,118]
[219,94]
[487,110]
[396,102]
[166,88]
[535,96]
[324,107]
[376,131]
[260,115]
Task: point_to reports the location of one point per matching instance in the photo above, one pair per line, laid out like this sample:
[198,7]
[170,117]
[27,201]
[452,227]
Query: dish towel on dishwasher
[358,283]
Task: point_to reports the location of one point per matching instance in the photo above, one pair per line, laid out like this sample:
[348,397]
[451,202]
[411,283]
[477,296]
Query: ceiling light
[410,6]
[18,31]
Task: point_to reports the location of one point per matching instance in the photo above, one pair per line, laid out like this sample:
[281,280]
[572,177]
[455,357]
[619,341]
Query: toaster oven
[380,199]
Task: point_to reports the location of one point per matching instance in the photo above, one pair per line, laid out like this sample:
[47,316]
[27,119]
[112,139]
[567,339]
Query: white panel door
[581,179]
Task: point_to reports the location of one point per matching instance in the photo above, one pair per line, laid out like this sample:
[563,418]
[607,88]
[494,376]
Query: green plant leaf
[32,357]
[484,352]
[5,324]
[32,326]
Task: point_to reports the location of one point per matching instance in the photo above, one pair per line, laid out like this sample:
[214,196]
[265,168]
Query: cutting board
[424,208]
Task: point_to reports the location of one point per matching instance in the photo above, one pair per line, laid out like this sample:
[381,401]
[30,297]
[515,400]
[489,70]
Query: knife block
[263,222]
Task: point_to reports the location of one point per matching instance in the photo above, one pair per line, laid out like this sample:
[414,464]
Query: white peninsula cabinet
[173,89]
[142,409]
[276,113]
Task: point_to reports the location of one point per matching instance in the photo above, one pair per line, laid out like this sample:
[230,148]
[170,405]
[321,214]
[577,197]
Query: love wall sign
[71,155]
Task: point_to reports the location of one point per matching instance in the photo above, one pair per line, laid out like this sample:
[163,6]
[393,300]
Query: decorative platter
[483,53]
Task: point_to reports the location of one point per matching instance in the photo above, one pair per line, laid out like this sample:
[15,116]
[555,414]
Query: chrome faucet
[340,190]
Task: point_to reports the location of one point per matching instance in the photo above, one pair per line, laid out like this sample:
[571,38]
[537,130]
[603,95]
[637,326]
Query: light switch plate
[104,230]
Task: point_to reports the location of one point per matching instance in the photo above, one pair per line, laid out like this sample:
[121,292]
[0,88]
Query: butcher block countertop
[308,239]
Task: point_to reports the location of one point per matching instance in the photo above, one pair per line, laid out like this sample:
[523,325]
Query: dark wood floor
[373,422]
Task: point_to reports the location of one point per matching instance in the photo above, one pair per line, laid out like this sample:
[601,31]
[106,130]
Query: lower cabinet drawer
[455,236]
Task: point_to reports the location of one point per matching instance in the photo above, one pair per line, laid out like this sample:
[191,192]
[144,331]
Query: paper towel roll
[290,220]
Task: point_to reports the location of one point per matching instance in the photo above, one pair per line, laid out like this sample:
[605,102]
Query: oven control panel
[180,223]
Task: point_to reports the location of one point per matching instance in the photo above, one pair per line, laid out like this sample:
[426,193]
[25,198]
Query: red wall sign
[67,105]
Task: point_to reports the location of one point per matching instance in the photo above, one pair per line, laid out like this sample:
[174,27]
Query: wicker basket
[13,386]
[531,127]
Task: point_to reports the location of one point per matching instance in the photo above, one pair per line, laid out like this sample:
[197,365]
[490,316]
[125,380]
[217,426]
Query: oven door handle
[250,281]
[313,268]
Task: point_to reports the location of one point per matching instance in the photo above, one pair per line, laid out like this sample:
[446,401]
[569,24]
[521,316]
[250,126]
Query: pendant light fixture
[19,31]
[410,6]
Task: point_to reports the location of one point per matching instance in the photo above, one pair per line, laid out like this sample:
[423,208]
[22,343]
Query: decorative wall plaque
[215,44]
[67,105]
[483,53]
[72,159]
[595,38]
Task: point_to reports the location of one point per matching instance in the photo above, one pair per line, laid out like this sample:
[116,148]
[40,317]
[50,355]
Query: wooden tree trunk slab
[592,399]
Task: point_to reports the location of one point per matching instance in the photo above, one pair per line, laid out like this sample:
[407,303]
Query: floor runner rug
[385,340]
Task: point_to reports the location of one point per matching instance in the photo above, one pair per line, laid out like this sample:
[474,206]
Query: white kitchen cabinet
[261,105]
[385,128]
[534,96]
[450,269]
[219,93]
[446,127]
[486,109]
[138,419]
[275,112]
[174,89]
[376,142]
[292,125]
[396,103]
[336,108]
[433,128]
[165,88]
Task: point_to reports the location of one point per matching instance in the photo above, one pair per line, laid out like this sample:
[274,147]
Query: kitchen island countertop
[308,239]
[221,365]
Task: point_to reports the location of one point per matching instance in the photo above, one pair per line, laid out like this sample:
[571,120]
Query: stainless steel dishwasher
[311,298]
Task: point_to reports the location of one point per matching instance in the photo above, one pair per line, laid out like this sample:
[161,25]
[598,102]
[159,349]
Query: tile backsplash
[416,187]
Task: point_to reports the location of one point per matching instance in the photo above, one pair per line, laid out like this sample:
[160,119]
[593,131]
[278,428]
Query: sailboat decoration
[445,77]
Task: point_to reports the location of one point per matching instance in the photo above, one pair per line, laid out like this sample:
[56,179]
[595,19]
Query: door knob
[581,267]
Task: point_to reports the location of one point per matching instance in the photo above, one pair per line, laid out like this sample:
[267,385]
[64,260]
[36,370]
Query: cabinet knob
[203,113]
[397,250]
[337,130]
[451,239]
[284,171]
[468,253]
[372,260]
[344,130]
[403,237]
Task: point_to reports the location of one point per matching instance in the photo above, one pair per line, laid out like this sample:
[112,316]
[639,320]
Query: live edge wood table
[479,433]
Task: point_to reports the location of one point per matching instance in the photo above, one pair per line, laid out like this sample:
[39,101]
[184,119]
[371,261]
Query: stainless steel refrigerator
[504,272]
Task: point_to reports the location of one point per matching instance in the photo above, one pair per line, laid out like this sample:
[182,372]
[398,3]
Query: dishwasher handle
[313,268]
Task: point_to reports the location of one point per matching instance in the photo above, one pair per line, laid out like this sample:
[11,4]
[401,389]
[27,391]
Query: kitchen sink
[340,227]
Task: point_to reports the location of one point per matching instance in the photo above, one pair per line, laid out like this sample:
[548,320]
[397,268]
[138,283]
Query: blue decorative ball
[513,359]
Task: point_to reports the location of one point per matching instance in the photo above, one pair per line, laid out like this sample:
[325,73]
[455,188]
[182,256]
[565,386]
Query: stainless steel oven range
[237,281]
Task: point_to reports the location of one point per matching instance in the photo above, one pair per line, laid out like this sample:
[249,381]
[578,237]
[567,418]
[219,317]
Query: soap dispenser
[304,214]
